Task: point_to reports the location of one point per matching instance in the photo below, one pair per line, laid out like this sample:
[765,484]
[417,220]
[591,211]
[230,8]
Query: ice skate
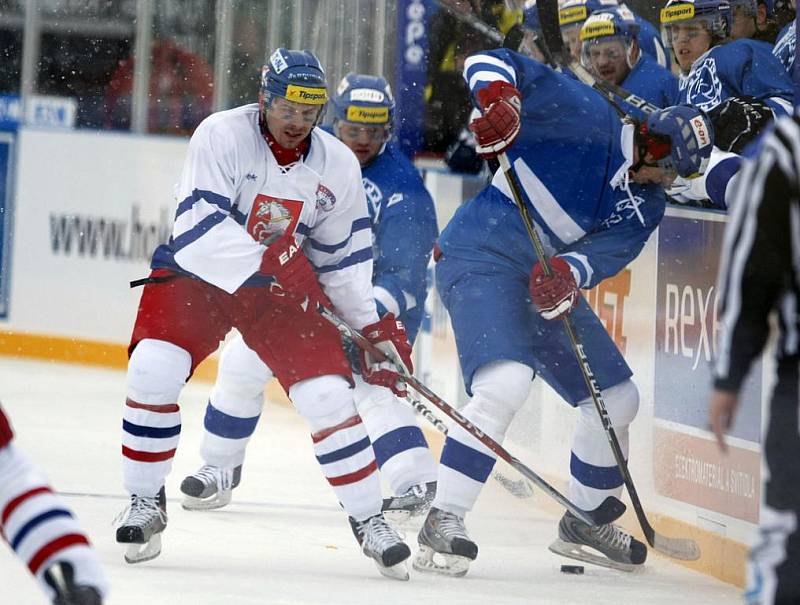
[410,505]
[382,544]
[141,529]
[577,540]
[210,487]
[444,546]
[60,576]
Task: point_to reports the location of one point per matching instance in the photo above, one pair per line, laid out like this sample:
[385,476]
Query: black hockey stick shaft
[680,548]
[363,343]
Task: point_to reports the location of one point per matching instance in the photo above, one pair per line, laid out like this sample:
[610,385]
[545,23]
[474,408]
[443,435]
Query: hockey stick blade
[679,548]
[362,342]
[551,33]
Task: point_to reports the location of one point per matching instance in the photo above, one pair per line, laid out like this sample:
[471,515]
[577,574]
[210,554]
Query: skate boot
[141,528]
[382,544]
[622,551]
[60,576]
[411,505]
[444,534]
[209,488]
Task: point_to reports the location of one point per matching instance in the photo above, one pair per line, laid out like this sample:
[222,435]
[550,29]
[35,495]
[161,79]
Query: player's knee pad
[241,379]
[499,390]
[324,401]
[622,404]
[157,371]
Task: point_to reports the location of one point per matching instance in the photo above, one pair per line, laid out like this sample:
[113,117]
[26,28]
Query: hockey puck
[576,569]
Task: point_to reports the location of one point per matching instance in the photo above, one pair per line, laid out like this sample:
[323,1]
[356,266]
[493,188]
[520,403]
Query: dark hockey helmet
[364,99]
[609,24]
[295,75]
[678,138]
[713,15]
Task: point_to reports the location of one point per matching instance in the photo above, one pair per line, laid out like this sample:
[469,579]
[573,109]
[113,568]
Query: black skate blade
[578,553]
[609,511]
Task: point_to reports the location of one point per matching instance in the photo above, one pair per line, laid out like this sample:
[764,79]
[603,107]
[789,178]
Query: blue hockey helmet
[714,15]
[607,25]
[678,138]
[364,99]
[295,75]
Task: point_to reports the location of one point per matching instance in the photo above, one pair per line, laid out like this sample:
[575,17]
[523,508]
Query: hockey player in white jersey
[271,222]
[43,532]
[593,187]
[404,226]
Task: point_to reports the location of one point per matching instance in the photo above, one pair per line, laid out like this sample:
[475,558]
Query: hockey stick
[551,32]
[519,488]
[611,508]
[678,548]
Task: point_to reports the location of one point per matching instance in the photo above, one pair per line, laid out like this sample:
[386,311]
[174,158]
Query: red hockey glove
[556,295]
[499,125]
[389,335]
[286,262]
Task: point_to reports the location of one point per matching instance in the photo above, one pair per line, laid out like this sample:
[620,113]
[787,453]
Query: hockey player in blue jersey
[573,13]
[403,221]
[609,48]
[714,67]
[593,186]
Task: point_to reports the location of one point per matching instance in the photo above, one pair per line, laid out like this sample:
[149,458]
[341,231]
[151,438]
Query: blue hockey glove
[677,138]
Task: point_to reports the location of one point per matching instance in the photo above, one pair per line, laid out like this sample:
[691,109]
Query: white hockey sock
[234,406]
[151,423]
[40,527]
[593,468]
[341,444]
[400,448]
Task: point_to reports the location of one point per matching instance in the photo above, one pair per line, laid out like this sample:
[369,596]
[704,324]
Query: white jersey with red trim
[233,198]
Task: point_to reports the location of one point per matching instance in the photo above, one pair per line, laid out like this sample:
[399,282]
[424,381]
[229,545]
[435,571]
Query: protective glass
[287,111]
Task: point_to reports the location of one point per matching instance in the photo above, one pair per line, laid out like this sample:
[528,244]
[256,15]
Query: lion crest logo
[704,89]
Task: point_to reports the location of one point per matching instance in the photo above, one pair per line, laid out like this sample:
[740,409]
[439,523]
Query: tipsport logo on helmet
[367,115]
[572,14]
[678,12]
[598,26]
[306,95]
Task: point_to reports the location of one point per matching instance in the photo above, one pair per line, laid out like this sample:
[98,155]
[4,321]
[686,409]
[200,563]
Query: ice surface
[284,539]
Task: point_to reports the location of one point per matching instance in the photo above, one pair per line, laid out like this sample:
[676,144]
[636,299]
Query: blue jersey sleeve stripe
[196,232]
[489,65]
[359,256]
[216,199]
[358,225]
[303,229]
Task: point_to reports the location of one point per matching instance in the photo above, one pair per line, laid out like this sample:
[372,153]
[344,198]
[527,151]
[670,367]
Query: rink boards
[80,213]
